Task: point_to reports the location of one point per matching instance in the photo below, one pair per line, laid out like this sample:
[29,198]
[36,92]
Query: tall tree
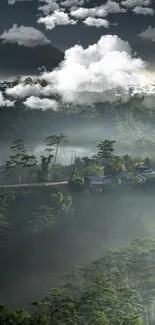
[53,142]
[29,162]
[49,144]
[105,149]
[44,173]
[16,159]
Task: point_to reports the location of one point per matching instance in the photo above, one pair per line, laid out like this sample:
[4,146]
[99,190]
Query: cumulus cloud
[143,11]
[113,7]
[71,3]
[104,70]
[101,11]
[44,104]
[26,36]
[57,18]
[135,3]
[148,34]
[48,6]
[5,102]
[82,13]
[21,90]
[96,22]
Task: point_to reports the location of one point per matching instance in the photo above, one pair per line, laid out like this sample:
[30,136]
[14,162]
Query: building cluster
[100,183]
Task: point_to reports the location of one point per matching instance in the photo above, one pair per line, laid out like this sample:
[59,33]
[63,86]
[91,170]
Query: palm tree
[44,173]
[76,182]
[115,166]
[61,202]
[58,140]
[54,140]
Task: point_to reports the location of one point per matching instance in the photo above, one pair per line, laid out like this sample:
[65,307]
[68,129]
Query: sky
[24,24]
[91,51]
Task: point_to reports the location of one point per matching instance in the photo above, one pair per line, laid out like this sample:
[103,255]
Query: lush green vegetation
[117,289]
[24,168]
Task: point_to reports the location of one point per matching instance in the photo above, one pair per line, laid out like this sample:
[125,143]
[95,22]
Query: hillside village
[101,171]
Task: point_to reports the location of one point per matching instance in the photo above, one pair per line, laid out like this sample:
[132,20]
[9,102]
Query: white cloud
[101,11]
[22,90]
[82,13]
[70,3]
[135,3]
[26,36]
[113,7]
[48,6]
[104,70]
[57,18]
[5,102]
[96,22]
[143,11]
[148,34]
[44,104]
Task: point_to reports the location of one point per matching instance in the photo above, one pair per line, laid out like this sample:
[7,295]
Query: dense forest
[118,288]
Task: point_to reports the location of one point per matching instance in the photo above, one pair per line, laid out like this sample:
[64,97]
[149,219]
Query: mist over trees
[118,287]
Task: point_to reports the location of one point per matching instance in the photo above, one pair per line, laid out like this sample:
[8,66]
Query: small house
[97,182]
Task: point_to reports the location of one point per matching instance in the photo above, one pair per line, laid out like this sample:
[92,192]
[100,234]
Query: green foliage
[148,161]
[14,316]
[115,166]
[29,163]
[53,142]
[61,202]
[16,160]
[105,149]
[76,182]
[95,170]
[42,219]
[117,289]
[44,173]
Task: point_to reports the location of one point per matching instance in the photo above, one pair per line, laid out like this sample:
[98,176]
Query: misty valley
[77,162]
[76,241]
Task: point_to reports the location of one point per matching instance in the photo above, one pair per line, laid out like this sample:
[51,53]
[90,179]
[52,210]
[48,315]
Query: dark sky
[13,56]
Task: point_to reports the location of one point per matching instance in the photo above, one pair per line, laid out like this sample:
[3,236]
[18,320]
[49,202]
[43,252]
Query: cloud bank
[26,36]
[143,11]
[57,18]
[23,91]
[105,71]
[134,3]
[101,69]
[43,104]
[5,102]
